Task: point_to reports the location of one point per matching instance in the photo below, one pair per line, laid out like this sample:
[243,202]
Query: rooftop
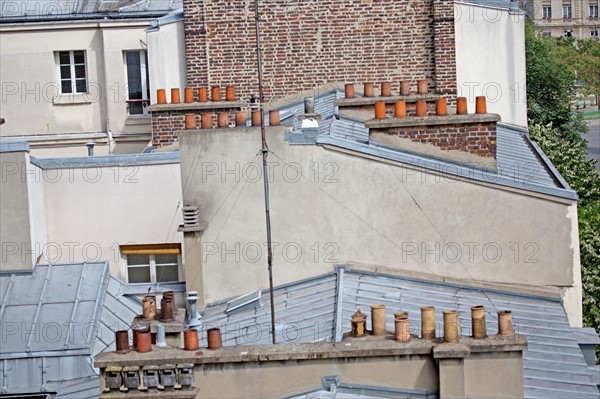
[19,11]
[319,310]
[520,163]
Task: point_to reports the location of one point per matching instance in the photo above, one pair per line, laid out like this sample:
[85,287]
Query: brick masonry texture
[308,43]
[474,138]
[165,124]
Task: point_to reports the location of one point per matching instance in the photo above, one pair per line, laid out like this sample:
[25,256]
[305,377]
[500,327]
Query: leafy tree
[550,86]
[552,66]
[589,242]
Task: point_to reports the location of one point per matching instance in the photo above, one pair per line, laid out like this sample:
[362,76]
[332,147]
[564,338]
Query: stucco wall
[166,43]
[345,208]
[490,60]
[15,229]
[30,78]
[108,207]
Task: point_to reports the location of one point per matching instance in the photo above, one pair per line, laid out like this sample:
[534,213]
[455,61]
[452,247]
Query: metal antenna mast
[265,152]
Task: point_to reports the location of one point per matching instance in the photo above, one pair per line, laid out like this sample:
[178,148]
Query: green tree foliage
[589,242]
[581,58]
[553,64]
[550,86]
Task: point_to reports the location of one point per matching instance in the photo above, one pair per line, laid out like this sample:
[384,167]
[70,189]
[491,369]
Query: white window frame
[546,15]
[594,33]
[152,265]
[143,74]
[569,13]
[594,11]
[72,67]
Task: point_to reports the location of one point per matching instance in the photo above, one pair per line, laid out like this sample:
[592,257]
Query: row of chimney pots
[386,89]
[215,92]
[441,107]
[188,95]
[223,120]
[142,338]
[451,324]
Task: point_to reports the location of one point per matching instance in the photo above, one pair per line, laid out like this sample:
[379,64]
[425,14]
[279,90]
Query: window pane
[66,86]
[65,72]
[64,58]
[134,75]
[166,273]
[80,71]
[166,259]
[79,57]
[138,274]
[81,86]
[138,259]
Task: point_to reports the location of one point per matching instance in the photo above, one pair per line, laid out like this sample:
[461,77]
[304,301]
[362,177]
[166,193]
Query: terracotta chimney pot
[188,95]
[161,96]
[386,89]
[175,96]
[400,109]
[206,120]
[379,110]
[203,94]
[349,90]
[461,106]
[404,87]
[421,108]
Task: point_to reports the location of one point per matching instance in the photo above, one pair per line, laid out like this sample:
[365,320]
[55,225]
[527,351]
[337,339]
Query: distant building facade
[77,74]
[577,18]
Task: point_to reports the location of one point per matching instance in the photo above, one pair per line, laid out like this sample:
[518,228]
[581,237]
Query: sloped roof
[50,10]
[55,318]
[520,163]
[507,4]
[320,308]
[58,303]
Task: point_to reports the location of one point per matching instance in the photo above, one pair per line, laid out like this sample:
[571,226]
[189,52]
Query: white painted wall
[490,60]
[166,54]
[30,99]
[15,230]
[108,207]
[344,208]
[37,209]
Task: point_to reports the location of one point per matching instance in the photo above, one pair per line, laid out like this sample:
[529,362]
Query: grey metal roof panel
[586,335]
[54,309]
[520,163]
[553,364]
[118,312]
[517,159]
[77,308]
[304,313]
[154,158]
[50,10]
[506,4]
[18,146]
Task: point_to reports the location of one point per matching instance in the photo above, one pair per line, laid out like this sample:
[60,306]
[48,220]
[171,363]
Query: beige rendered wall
[166,54]
[91,211]
[31,103]
[490,60]
[15,228]
[330,207]
[263,380]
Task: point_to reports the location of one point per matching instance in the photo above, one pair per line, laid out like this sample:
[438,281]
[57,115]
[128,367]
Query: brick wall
[474,138]
[445,48]
[307,43]
[165,124]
